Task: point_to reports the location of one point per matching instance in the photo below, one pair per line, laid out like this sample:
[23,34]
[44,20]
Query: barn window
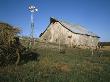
[45,39]
[56,40]
[69,36]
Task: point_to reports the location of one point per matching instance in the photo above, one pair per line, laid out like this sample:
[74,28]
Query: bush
[9,44]
[11,49]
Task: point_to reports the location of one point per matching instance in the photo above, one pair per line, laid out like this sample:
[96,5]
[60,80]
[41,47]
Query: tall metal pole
[32,25]
[32,29]
[32,9]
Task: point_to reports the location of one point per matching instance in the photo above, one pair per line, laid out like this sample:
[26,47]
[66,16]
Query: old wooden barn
[61,32]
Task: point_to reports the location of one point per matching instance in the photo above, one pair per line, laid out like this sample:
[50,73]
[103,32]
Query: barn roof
[76,28]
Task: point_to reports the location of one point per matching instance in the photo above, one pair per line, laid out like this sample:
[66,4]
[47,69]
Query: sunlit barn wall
[56,33]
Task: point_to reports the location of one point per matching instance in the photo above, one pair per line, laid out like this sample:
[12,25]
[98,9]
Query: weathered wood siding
[56,33]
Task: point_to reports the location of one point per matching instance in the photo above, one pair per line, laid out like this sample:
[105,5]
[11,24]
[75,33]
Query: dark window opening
[56,40]
[45,39]
[69,36]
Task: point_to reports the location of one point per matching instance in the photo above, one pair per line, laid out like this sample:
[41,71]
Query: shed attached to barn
[61,32]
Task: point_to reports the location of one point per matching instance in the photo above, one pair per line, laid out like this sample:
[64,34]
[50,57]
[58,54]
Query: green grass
[75,65]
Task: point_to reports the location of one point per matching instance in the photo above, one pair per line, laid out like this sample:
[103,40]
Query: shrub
[9,43]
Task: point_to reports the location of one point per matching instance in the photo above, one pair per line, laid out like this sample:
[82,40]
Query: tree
[9,47]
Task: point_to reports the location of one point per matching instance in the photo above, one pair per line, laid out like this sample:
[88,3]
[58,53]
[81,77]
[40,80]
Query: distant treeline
[105,43]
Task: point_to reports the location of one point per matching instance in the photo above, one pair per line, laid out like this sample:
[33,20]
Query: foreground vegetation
[70,65]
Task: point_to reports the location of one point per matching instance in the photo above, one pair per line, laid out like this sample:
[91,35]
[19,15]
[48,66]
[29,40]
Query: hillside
[70,65]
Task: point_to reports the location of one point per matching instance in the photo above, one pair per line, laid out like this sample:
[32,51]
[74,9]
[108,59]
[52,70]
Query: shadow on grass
[24,57]
[29,56]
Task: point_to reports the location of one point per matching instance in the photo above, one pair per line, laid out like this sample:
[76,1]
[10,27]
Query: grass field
[107,48]
[73,65]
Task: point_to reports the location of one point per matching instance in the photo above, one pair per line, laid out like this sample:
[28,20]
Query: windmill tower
[32,9]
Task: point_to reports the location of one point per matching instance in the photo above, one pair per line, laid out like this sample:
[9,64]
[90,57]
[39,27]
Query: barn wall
[56,33]
[47,34]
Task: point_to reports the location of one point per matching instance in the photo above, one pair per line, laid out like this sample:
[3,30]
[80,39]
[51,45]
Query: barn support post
[59,45]
[71,43]
[91,46]
[92,50]
[59,36]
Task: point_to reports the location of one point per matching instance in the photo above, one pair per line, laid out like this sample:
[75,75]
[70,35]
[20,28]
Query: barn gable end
[72,35]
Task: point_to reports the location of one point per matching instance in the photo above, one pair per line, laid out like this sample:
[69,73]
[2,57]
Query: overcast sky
[93,14]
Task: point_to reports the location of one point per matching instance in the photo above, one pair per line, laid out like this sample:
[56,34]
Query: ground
[68,65]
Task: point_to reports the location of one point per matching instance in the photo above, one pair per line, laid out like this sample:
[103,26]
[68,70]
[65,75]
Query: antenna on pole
[32,9]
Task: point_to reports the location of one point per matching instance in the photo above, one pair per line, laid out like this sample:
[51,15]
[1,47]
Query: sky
[94,15]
